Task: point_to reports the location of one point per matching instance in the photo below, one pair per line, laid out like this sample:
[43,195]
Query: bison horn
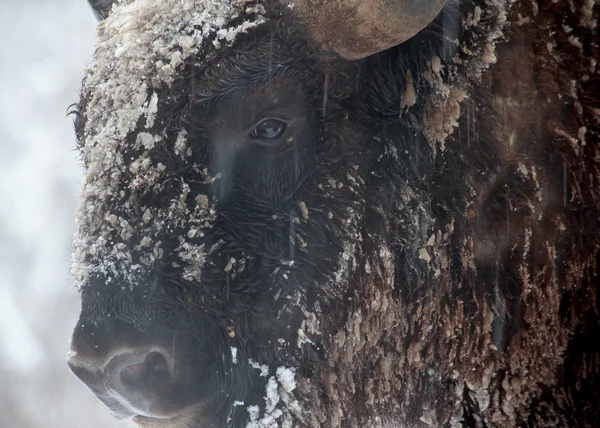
[359,28]
[101,8]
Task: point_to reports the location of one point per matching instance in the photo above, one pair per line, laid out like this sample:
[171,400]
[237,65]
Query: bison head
[234,154]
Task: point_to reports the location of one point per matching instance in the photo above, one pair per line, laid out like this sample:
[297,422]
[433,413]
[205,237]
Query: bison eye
[269,130]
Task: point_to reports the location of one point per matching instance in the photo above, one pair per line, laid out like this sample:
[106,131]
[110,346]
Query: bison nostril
[131,383]
[139,378]
[150,372]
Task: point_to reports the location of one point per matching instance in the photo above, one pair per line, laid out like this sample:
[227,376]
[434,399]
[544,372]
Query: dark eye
[269,130]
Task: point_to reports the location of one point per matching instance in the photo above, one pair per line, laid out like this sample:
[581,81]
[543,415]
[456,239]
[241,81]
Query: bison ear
[358,28]
[101,8]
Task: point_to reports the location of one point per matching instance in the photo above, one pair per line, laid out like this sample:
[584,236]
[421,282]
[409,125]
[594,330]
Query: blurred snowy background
[44,46]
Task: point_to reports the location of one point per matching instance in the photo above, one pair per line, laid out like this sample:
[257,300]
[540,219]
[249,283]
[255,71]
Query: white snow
[272,397]
[18,343]
[264,369]
[287,378]
[253,412]
[279,405]
[45,46]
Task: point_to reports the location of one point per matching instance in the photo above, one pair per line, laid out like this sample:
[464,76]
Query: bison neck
[477,282]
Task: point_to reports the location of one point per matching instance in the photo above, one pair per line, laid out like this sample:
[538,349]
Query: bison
[323,213]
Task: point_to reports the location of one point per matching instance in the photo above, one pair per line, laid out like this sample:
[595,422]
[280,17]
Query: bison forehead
[142,47]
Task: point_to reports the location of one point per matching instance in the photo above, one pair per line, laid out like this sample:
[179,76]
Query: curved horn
[101,8]
[359,28]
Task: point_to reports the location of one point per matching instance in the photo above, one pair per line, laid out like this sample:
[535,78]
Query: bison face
[209,226]
[226,158]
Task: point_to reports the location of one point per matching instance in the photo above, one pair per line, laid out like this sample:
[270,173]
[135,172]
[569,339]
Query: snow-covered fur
[419,247]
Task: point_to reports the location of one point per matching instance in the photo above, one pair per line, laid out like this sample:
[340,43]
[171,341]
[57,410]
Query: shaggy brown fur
[522,349]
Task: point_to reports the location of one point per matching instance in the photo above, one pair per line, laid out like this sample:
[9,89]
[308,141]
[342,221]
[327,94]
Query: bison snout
[127,373]
[130,383]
